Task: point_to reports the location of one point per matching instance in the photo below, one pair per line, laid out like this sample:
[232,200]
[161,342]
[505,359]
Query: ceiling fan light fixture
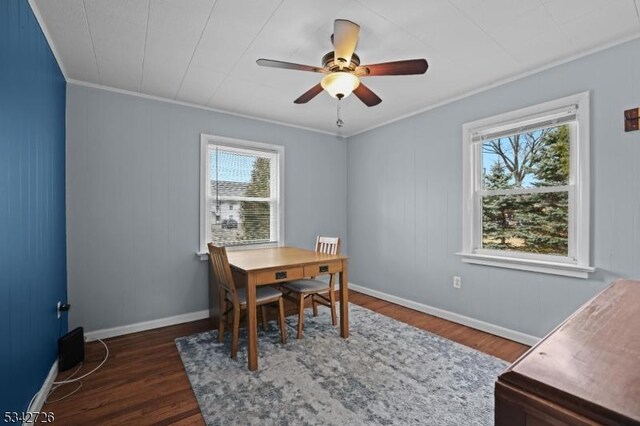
[340,84]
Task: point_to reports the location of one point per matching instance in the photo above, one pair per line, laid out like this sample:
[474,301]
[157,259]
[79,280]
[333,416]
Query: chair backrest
[328,245]
[221,270]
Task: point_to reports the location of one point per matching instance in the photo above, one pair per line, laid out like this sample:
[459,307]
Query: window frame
[244,146]
[576,263]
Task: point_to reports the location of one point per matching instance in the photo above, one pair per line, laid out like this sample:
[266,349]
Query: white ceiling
[204,51]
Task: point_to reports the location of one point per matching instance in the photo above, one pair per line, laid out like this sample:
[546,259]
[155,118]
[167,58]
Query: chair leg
[300,315]
[221,320]
[235,331]
[283,326]
[263,311]
[314,305]
[332,298]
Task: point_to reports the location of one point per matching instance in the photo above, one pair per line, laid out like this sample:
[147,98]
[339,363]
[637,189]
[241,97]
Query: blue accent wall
[33,275]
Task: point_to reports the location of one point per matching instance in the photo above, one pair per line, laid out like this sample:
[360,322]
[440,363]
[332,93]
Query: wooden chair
[237,298]
[320,291]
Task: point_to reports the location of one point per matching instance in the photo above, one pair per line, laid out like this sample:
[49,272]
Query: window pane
[256,221]
[240,174]
[532,223]
[249,224]
[527,160]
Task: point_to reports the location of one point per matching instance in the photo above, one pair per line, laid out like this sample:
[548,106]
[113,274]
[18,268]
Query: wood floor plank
[144,382]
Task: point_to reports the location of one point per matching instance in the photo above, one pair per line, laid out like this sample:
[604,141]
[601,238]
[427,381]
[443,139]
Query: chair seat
[263,295]
[306,286]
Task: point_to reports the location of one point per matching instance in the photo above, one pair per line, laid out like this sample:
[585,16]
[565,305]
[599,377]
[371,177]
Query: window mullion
[258,199]
[525,191]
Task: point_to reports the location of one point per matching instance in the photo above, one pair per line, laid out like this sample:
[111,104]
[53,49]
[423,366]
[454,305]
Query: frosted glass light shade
[340,84]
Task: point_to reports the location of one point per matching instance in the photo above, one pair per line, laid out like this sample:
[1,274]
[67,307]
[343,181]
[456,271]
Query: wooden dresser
[585,372]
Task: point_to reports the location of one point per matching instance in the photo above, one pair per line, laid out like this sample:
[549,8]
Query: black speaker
[71,349]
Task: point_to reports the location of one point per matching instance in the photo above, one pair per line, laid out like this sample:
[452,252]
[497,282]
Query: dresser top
[591,362]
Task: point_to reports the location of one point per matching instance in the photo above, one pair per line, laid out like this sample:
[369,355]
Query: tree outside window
[533,222]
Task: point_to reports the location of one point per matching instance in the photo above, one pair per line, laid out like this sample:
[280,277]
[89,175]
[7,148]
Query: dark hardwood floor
[143,381]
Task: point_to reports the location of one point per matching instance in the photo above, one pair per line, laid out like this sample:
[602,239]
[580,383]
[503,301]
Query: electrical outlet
[457,282]
[58,309]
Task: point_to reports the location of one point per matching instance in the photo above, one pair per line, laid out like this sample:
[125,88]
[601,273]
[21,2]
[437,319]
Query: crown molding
[505,81]
[202,107]
[467,94]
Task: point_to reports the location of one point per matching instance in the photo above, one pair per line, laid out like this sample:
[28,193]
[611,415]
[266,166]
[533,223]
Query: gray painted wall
[133,197]
[404,184]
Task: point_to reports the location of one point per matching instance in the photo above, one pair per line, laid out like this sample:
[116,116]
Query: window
[526,189]
[247,175]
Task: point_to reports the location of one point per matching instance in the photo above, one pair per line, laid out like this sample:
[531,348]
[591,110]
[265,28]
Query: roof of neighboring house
[228,189]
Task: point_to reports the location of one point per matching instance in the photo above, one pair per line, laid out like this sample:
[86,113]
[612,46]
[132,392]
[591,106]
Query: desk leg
[344,300]
[252,322]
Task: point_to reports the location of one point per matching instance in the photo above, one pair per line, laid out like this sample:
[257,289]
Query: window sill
[545,267]
[204,255]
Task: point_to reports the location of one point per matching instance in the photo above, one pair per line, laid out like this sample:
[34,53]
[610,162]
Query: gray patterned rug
[386,373]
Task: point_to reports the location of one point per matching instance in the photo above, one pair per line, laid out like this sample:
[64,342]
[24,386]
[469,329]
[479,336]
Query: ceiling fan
[343,70]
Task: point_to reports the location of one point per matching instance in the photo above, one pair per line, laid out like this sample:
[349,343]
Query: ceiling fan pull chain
[339,121]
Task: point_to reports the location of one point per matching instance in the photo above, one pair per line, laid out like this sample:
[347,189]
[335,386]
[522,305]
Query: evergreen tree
[256,215]
[553,161]
[535,223]
[497,210]
[548,213]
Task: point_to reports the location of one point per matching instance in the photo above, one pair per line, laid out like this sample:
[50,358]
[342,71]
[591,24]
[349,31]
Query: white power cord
[63,382]
[71,380]
[53,388]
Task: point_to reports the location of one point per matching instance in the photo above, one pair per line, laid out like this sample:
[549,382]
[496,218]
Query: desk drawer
[322,268]
[280,275]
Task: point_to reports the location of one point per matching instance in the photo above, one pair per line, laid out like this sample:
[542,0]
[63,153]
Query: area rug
[385,373]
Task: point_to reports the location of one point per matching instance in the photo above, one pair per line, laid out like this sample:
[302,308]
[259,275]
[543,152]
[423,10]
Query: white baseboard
[146,325]
[507,333]
[38,401]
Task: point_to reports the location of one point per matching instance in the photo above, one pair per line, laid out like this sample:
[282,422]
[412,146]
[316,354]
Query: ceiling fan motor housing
[330,63]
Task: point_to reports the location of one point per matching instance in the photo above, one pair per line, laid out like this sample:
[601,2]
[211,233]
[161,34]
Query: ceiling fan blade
[309,94]
[288,65]
[345,39]
[366,95]
[408,67]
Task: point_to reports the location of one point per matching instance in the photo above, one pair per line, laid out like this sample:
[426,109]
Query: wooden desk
[585,372]
[280,264]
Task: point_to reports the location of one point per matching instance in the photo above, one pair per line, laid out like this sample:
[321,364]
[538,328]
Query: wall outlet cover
[457,282]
